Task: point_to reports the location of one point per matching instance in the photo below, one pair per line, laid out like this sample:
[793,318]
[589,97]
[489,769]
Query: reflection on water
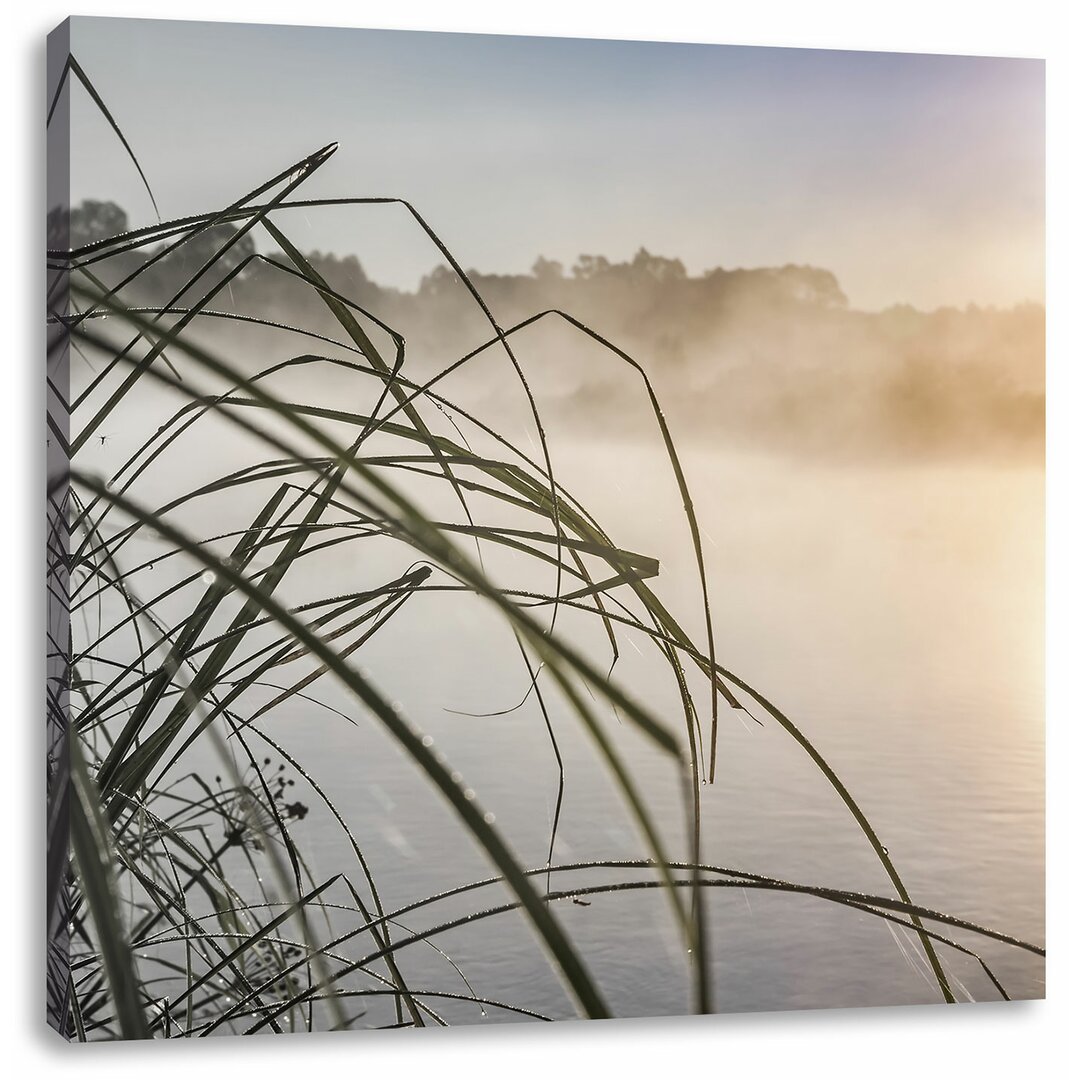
[894,613]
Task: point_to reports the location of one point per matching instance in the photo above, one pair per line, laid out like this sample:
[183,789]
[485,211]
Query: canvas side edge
[57,551]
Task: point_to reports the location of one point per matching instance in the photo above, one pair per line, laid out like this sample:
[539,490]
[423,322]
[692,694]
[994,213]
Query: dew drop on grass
[489,818]
[209,577]
[427,740]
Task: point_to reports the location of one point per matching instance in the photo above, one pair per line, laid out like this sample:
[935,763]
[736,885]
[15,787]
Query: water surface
[893,612]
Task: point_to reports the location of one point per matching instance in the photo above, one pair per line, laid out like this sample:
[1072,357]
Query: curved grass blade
[561,950]
[94,855]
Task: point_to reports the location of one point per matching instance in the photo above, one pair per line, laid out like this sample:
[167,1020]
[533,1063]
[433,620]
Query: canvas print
[538,529]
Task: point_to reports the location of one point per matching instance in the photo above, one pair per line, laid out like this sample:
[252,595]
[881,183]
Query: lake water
[894,613]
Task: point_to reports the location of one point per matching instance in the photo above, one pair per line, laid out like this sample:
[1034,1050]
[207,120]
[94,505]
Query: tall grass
[190,907]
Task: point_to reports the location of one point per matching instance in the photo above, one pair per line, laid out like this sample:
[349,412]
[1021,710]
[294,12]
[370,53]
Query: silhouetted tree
[92,220]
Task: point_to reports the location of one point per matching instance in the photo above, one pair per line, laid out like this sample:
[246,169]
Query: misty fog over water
[771,358]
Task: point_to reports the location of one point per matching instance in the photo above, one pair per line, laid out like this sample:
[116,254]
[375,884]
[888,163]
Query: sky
[916,179]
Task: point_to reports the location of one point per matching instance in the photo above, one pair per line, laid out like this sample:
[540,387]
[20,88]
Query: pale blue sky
[914,178]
